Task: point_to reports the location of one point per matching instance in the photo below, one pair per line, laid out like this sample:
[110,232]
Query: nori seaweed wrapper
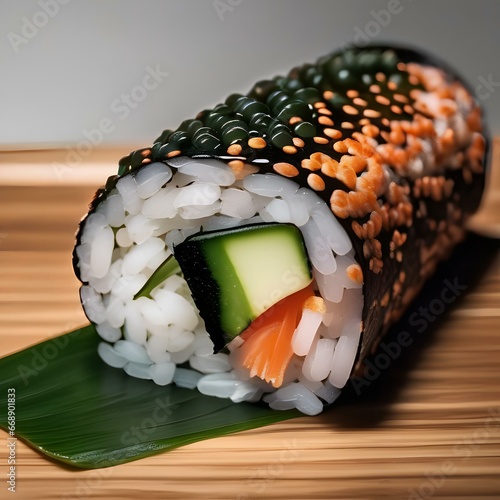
[390,139]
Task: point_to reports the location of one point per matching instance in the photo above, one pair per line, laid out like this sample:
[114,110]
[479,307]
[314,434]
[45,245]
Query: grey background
[70,72]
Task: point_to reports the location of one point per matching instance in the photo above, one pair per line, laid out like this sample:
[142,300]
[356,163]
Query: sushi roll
[261,250]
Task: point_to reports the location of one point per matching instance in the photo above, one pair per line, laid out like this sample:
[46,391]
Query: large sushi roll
[261,250]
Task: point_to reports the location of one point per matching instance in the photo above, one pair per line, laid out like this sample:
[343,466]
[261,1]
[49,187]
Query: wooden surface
[427,427]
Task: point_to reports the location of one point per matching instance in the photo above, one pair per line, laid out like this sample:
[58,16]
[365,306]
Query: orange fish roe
[316,304]
[298,142]
[242,169]
[324,120]
[316,182]
[359,102]
[371,113]
[286,169]
[234,149]
[320,140]
[257,143]
[350,110]
[354,273]
[332,133]
[289,150]
[174,153]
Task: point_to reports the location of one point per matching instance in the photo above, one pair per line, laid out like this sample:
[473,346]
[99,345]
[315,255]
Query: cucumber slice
[235,275]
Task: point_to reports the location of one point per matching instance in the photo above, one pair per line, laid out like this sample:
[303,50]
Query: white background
[65,76]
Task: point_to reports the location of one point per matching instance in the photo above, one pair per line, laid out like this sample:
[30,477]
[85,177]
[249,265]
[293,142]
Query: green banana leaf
[72,407]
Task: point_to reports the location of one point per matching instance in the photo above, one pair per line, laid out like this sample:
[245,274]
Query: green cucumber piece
[235,275]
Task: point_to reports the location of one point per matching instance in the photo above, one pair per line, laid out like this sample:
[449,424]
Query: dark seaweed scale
[284,112]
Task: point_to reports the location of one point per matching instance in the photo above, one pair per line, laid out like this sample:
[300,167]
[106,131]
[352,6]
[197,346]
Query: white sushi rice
[135,229]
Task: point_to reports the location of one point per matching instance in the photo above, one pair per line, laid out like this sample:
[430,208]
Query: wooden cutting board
[428,426]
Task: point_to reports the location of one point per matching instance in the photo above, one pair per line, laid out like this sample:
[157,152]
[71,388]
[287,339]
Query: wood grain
[427,427]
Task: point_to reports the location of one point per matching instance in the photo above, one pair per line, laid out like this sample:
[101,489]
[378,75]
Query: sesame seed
[400,98]
[309,164]
[316,182]
[409,109]
[415,93]
[352,93]
[324,111]
[320,140]
[375,88]
[324,120]
[297,141]
[358,230]
[340,147]
[234,149]
[347,125]
[359,102]
[328,94]
[355,273]
[467,175]
[350,110]
[413,80]
[176,152]
[146,152]
[236,164]
[371,113]
[316,304]
[329,168]
[396,109]
[397,136]
[294,119]
[289,150]
[319,105]
[370,130]
[285,169]
[380,77]
[392,85]
[241,169]
[332,133]
[257,143]
[386,137]
[382,100]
